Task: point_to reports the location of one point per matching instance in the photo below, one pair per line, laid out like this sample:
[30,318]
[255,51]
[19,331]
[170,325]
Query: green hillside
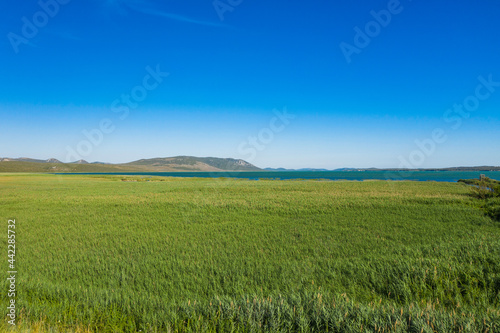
[168,164]
[18,166]
[225,164]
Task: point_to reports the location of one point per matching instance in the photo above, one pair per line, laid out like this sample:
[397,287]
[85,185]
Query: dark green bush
[492,208]
[487,190]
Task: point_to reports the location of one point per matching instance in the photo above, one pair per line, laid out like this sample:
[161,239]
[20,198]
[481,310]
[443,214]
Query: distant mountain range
[303,169]
[312,169]
[167,164]
[190,163]
[173,164]
[27,159]
[476,168]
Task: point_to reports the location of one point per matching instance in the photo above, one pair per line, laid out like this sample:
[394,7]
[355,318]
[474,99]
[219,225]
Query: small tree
[483,189]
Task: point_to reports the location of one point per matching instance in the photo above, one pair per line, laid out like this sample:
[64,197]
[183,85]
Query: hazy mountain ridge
[27,159]
[474,168]
[176,163]
[212,163]
[166,164]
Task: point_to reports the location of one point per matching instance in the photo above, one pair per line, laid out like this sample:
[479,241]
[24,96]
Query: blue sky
[350,99]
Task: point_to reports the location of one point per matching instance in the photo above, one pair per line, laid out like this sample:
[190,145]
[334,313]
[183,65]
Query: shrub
[492,208]
[488,190]
[483,188]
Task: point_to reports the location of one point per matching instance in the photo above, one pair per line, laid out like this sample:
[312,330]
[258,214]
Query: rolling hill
[167,164]
[190,163]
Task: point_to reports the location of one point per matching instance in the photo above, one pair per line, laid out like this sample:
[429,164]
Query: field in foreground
[103,254]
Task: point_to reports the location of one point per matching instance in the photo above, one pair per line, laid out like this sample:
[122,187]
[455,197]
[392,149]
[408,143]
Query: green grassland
[102,254]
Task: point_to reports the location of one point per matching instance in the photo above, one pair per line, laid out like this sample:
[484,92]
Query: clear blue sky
[357,100]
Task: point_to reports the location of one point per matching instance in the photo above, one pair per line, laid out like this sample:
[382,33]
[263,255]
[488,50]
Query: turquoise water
[440,176]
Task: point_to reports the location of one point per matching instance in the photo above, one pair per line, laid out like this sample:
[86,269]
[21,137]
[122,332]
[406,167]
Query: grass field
[203,255]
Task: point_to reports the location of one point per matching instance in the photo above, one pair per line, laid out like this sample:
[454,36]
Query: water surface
[439,176]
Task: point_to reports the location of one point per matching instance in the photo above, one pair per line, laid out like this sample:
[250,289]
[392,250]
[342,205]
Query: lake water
[439,176]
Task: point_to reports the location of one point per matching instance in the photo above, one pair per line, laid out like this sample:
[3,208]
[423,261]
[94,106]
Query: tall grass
[191,255]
